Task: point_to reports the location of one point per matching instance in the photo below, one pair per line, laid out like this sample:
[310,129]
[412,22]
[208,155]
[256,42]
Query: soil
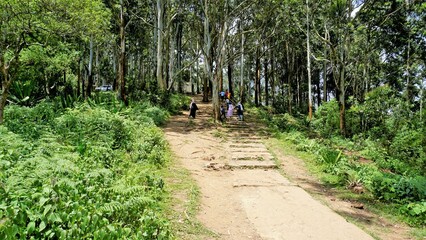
[251,192]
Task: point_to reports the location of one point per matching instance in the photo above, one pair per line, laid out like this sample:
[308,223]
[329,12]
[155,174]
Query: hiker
[240,110]
[192,109]
[222,95]
[230,110]
[226,94]
[222,113]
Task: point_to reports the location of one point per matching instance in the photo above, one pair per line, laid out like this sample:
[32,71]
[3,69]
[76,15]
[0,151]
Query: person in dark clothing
[192,109]
[222,113]
[240,111]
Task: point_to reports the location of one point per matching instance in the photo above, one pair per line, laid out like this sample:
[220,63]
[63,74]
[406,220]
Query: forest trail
[243,195]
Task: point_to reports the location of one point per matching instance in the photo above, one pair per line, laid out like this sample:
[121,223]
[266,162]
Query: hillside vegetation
[90,171]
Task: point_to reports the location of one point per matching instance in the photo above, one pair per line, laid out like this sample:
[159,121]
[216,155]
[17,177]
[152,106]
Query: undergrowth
[86,171]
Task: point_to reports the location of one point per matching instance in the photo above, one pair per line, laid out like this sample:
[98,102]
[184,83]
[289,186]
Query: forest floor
[249,189]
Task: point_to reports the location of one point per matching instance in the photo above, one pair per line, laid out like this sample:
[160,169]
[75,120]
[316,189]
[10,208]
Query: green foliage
[84,175]
[30,122]
[417,213]
[146,113]
[397,188]
[408,146]
[330,157]
[178,102]
[286,122]
[158,115]
[326,119]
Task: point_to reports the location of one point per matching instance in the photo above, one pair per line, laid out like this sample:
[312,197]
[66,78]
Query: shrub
[158,115]
[326,119]
[98,126]
[178,103]
[417,213]
[29,122]
[407,145]
[285,123]
[396,188]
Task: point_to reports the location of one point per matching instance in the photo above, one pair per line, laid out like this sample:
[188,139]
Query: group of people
[225,113]
[229,111]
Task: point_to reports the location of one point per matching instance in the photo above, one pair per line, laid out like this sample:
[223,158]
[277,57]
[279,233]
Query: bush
[326,119]
[29,122]
[396,188]
[80,126]
[407,145]
[158,115]
[286,123]
[417,213]
[178,103]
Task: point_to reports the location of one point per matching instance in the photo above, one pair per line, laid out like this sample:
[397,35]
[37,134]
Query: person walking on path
[222,95]
[240,110]
[222,113]
[192,109]
[230,110]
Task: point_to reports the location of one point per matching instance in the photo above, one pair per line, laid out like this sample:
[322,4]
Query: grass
[220,134]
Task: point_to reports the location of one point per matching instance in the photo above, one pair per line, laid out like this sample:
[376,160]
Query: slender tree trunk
[342,102]
[4,90]
[198,72]
[90,73]
[160,80]
[289,73]
[208,53]
[230,83]
[257,80]
[273,76]
[324,71]
[121,64]
[317,75]
[179,35]
[171,48]
[79,76]
[265,65]
[308,53]
[242,65]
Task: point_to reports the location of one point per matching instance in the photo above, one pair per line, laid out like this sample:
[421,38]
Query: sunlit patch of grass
[219,134]
[419,233]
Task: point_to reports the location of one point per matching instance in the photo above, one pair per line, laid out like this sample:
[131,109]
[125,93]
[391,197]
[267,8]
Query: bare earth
[245,196]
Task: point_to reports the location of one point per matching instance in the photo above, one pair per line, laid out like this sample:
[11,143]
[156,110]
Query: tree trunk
[179,35]
[79,76]
[289,72]
[257,80]
[160,80]
[242,66]
[265,65]
[171,77]
[273,75]
[230,83]
[4,89]
[90,73]
[207,53]
[308,53]
[324,70]
[121,64]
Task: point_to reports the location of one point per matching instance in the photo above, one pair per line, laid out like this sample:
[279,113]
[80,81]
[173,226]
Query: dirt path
[243,195]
